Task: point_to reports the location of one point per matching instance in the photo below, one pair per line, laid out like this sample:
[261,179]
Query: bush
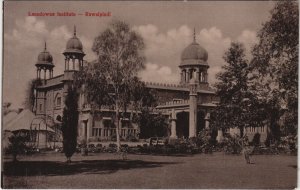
[17,146]
[131,138]
[232,144]
[256,140]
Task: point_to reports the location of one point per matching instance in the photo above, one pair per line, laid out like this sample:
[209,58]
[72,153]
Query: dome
[194,52]
[74,45]
[44,58]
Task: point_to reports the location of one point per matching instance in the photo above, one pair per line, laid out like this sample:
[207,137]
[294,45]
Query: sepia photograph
[149,95]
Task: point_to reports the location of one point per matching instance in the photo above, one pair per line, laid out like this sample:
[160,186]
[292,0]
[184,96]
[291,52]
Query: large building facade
[186,105]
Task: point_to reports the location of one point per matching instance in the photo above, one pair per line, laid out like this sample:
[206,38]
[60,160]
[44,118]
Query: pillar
[73,60]
[187,77]
[197,74]
[201,76]
[207,117]
[68,61]
[181,77]
[220,136]
[173,124]
[193,110]
[44,74]
[84,130]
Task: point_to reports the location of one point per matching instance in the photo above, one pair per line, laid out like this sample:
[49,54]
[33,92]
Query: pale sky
[166,27]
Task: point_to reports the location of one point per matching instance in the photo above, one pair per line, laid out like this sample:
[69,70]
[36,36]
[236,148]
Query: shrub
[232,144]
[256,140]
[17,146]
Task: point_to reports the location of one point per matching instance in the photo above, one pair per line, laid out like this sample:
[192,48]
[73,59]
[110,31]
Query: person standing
[246,149]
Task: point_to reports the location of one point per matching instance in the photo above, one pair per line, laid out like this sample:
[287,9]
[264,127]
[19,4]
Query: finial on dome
[74,30]
[194,34]
[45,45]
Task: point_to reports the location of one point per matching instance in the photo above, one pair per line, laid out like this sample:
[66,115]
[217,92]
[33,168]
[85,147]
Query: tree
[17,145]
[70,122]
[6,108]
[275,65]
[112,78]
[232,89]
[30,94]
[152,125]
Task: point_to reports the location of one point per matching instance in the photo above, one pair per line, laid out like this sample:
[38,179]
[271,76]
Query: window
[99,132]
[41,107]
[58,101]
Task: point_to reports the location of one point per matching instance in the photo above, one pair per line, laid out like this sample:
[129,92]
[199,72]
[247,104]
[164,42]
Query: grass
[49,170]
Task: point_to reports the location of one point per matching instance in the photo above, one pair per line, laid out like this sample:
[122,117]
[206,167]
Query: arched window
[58,100]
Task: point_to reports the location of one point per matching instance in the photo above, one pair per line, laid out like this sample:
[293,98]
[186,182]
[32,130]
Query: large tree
[232,89]
[70,122]
[30,93]
[112,78]
[275,66]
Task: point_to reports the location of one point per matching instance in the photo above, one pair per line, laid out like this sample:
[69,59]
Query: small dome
[45,58]
[195,52]
[74,45]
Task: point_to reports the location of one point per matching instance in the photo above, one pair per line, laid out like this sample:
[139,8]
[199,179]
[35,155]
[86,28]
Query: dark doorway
[182,125]
[200,121]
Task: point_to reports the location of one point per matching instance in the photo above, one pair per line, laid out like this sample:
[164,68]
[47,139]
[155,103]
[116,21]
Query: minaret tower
[73,54]
[45,63]
[194,64]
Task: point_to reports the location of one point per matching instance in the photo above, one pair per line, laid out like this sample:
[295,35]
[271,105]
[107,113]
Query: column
[197,74]
[220,135]
[207,118]
[187,76]
[49,74]
[193,110]
[68,61]
[44,74]
[37,73]
[173,124]
[84,130]
[73,60]
[181,77]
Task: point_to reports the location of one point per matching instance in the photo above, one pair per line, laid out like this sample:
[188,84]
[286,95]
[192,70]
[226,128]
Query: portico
[196,119]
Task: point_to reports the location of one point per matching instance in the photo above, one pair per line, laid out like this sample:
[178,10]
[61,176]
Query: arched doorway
[200,121]
[182,124]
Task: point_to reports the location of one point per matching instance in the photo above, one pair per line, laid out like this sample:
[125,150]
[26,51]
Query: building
[187,104]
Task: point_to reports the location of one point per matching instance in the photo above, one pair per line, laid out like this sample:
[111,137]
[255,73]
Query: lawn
[105,170]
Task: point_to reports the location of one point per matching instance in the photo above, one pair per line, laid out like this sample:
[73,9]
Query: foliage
[232,144]
[256,140]
[70,122]
[30,94]
[232,89]
[17,145]
[275,66]
[112,78]
[152,125]
[6,108]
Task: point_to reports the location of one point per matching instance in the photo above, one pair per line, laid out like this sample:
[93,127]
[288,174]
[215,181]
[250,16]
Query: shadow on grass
[37,168]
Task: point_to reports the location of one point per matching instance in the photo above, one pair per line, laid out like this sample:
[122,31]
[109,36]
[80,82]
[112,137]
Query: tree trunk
[241,131]
[118,126]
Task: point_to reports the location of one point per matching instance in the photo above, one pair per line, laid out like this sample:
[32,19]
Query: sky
[166,27]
